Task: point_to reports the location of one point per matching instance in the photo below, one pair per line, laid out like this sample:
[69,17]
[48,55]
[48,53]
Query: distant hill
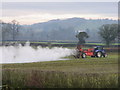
[68,28]
[63,29]
[76,23]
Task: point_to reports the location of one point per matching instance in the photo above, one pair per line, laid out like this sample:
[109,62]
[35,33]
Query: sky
[34,12]
[60,0]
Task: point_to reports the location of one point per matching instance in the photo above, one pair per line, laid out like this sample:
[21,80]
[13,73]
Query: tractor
[97,51]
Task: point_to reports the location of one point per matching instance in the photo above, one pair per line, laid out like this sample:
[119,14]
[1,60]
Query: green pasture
[59,42]
[71,73]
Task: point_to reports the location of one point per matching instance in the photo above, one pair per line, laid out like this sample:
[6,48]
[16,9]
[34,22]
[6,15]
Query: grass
[102,43]
[59,42]
[72,73]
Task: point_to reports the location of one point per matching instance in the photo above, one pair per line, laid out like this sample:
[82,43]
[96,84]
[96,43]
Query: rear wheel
[83,55]
[77,56]
[98,54]
[92,56]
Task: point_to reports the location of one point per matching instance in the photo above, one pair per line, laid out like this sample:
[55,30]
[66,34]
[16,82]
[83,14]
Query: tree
[14,28]
[108,32]
[118,33]
[4,30]
[81,37]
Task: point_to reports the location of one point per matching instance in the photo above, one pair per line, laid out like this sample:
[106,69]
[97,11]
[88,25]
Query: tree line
[9,29]
[108,32]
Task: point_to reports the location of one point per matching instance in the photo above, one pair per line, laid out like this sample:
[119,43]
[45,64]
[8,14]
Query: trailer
[97,51]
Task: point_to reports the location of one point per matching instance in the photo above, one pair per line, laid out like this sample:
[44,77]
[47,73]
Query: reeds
[57,79]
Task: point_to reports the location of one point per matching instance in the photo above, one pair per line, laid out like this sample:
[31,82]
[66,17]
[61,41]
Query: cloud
[31,12]
[43,17]
[63,7]
[61,1]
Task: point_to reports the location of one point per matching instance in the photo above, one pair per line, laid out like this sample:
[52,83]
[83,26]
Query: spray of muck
[27,54]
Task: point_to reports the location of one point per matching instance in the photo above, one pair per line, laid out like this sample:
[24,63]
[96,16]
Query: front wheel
[98,54]
[104,55]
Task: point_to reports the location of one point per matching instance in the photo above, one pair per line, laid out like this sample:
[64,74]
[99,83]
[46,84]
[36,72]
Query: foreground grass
[73,73]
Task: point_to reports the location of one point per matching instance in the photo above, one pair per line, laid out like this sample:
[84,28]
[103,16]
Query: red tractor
[97,51]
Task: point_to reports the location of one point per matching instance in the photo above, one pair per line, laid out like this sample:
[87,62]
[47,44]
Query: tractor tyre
[77,56]
[93,56]
[104,55]
[83,55]
[99,54]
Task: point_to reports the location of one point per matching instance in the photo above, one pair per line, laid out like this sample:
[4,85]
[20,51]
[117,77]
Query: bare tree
[14,28]
[118,32]
[4,30]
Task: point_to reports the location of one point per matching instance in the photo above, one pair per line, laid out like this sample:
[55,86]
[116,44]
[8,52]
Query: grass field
[72,73]
[61,42]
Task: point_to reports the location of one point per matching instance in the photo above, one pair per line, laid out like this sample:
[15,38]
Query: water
[27,54]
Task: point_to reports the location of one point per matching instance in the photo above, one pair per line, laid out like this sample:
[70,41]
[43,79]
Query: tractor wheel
[98,54]
[93,56]
[83,55]
[104,55]
[77,56]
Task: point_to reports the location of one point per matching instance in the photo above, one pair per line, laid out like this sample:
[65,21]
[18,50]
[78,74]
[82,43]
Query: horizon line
[63,19]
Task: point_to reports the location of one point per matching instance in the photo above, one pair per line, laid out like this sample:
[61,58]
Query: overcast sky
[33,12]
[60,0]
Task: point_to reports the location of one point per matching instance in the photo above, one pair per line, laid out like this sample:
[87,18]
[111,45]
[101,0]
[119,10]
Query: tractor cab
[98,48]
[99,52]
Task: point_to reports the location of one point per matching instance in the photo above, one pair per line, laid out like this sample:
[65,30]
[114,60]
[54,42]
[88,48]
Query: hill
[63,29]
